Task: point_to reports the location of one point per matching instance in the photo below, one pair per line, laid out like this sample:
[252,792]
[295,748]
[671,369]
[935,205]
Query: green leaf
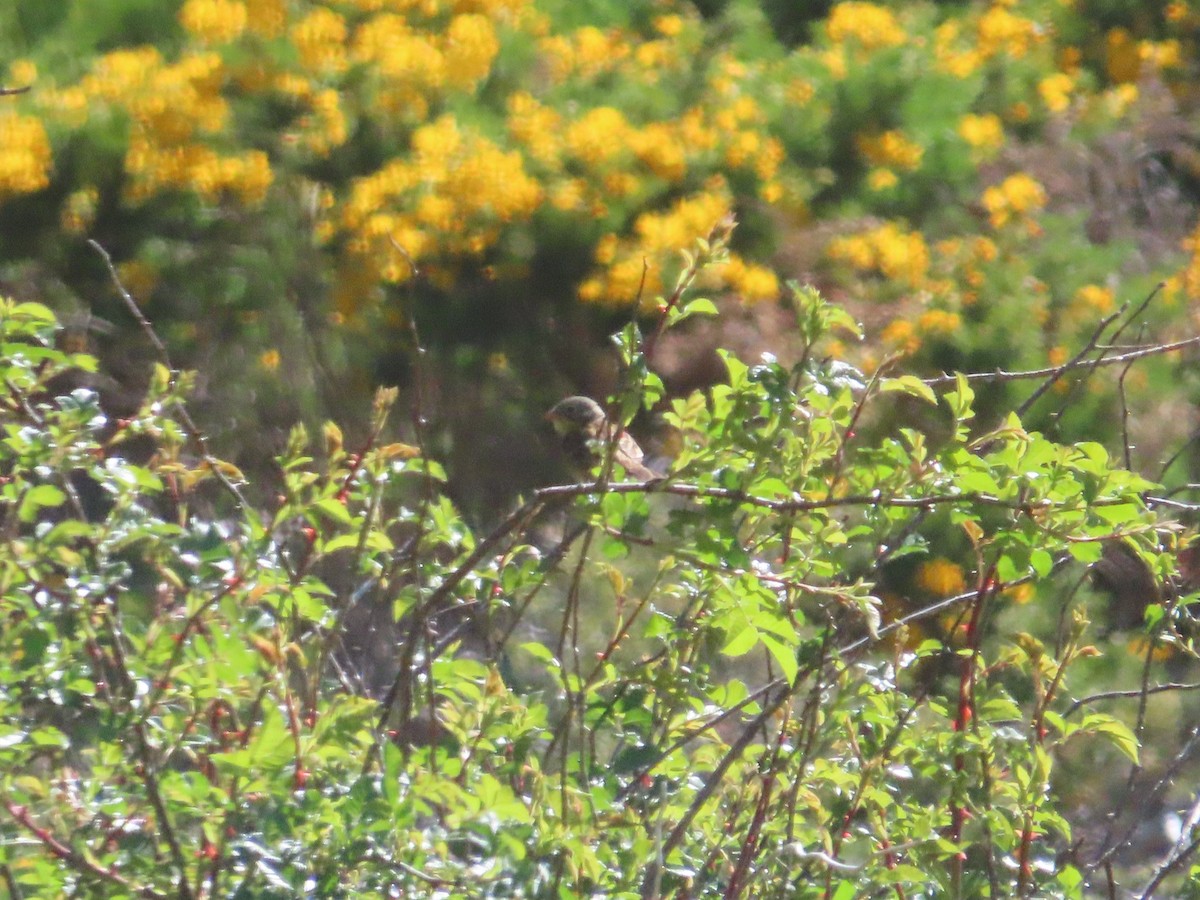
[1118,733]
[783,654]
[741,641]
[911,385]
[334,509]
[40,497]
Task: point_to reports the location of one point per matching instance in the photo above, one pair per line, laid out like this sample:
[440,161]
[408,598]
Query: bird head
[575,414]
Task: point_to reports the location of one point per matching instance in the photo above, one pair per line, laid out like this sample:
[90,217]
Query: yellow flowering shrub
[470,133]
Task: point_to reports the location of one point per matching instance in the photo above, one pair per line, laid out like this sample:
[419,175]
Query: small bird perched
[586,433]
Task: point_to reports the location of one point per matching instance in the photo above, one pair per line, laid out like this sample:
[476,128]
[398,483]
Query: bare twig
[999,375]
[1070,365]
[214,465]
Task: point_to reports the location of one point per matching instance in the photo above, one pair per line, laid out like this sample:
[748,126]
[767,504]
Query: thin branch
[1071,364]
[194,432]
[1129,695]
[1000,376]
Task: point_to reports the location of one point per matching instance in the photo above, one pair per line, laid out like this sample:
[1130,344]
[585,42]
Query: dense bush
[709,685]
[276,171]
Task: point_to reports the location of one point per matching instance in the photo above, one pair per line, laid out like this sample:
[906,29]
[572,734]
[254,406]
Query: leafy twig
[214,465]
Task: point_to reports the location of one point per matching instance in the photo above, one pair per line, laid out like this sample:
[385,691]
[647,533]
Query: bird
[586,433]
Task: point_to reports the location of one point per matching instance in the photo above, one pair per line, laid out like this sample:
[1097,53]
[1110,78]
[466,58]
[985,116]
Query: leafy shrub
[690,688]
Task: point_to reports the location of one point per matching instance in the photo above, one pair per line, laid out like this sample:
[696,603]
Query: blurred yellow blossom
[891,149]
[1015,197]
[984,133]
[537,127]
[24,154]
[320,40]
[598,135]
[214,21]
[1159,55]
[900,334]
[21,73]
[269,360]
[882,179]
[668,25]
[1055,91]
[1118,99]
[1000,31]
[470,47]
[899,255]
[1096,299]
[631,266]
[871,26]
[951,53]
[752,283]
[266,18]
[658,147]
[938,321]
[940,578]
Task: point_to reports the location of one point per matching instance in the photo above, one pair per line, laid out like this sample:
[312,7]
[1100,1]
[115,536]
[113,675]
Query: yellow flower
[1000,31]
[668,25]
[598,135]
[939,321]
[900,334]
[21,73]
[984,133]
[1161,55]
[872,27]
[1096,299]
[213,21]
[890,148]
[1055,91]
[799,91]
[24,154]
[320,40]
[882,179]
[1155,648]
[753,283]
[471,45]
[1020,594]
[658,147]
[899,255]
[269,360]
[1013,198]
[940,578]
